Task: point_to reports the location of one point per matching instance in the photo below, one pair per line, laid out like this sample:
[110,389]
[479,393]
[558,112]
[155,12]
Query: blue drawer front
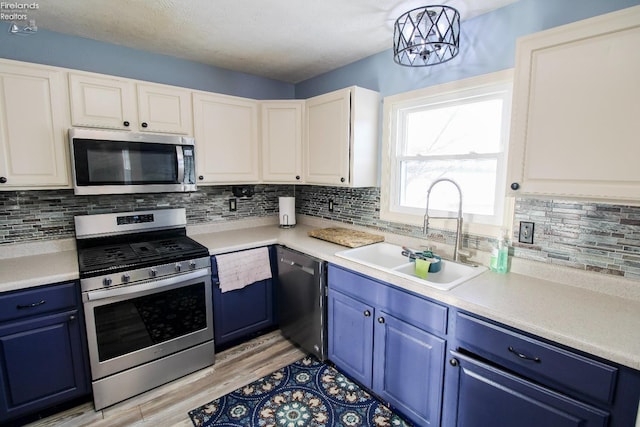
[411,308]
[491,397]
[554,366]
[353,284]
[40,300]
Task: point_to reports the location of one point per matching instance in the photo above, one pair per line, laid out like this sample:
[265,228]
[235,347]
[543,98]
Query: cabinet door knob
[201,178]
[3,180]
[144,124]
[367,313]
[297,176]
[453,362]
[342,179]
[515,186]
[380,319]
[72,318]
[126,124]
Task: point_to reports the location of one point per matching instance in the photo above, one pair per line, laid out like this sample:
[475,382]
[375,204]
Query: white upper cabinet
[327,143]
[35,119]
[341,138]
[164,109]
[282,141]
[113,103]
[576,124]
[102,102]
[226,134]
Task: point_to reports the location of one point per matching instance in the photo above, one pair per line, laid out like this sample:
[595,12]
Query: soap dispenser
[500,254]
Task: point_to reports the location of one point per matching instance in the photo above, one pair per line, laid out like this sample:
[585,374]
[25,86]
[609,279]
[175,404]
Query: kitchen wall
[27,216]
[61,50]
[588,236]
[487,44]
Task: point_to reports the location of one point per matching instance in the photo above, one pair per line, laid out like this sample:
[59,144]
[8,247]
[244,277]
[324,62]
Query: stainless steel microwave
[117,162]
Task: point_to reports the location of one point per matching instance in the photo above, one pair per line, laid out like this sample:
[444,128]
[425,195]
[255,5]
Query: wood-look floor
[168,405]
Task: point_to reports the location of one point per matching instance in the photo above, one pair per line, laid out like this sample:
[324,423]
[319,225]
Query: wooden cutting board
[346,237]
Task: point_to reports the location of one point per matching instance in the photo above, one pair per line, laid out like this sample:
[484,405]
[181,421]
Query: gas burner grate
[173,246]
[106,256]
[103,259]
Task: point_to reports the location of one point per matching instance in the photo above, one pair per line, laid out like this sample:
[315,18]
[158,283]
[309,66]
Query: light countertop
[603,324]
[40,269]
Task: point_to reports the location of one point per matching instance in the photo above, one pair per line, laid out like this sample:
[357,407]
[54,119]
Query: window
[459,131]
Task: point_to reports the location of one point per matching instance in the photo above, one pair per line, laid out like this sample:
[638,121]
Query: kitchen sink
[388,257]
[378,255]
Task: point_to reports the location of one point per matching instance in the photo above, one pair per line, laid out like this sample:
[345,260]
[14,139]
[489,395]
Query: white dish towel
[239,269]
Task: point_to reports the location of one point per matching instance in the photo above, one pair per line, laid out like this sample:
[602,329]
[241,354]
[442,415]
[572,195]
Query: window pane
[474,126]
[476,178]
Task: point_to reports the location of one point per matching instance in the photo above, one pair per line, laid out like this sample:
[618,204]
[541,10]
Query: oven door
[135,324]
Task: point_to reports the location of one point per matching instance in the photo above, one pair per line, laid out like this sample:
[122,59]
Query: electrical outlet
[233,205]
[330,205]
[526,232]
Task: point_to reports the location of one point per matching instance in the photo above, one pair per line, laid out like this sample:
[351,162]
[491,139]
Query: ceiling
[286,40]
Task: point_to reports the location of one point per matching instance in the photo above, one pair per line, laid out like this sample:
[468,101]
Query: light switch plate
[526,232]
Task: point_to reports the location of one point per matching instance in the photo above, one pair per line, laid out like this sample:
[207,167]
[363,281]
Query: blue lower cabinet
[500,376]
[488,396]
[350,334]
[408,368]
[440,366]
[42,361]
[392,353]
[241,313]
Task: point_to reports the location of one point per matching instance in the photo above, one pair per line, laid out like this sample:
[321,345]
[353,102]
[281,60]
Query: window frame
[396,105]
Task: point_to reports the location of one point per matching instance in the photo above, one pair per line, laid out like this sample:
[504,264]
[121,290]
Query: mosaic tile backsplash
[587,236]
[41,215]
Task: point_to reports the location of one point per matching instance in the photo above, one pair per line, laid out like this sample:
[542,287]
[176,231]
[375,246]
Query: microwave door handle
[180,158]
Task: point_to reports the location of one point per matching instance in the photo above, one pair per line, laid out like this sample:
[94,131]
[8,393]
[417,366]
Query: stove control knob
[153,272]
[107,281]
[192,264]
[178,267]
[126,278]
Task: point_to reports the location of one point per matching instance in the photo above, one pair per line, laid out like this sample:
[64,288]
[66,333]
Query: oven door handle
[154,284]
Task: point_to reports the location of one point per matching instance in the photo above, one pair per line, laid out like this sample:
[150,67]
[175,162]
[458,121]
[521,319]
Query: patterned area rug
[306,393]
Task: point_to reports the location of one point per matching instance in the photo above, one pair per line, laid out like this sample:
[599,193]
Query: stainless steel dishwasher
[302,300]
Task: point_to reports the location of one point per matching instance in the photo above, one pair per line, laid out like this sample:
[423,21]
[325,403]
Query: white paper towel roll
[287,211]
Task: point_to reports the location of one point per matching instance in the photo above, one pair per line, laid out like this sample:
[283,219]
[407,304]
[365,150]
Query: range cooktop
[102,255]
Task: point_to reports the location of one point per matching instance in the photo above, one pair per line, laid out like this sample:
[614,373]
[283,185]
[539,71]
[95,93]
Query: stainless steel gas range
[146,290]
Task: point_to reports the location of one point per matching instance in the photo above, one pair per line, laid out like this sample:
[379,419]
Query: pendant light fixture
[426,36]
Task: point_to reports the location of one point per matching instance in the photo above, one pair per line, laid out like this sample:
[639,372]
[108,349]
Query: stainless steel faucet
[456,248]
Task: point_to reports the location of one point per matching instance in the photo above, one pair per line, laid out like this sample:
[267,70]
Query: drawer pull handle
[367,313]
[35,304]
[524,356]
